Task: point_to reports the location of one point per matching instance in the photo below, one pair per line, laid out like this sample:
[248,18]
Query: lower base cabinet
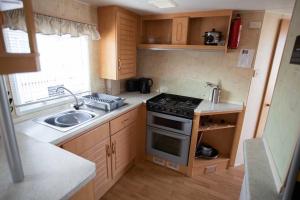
[85,193]
[113,155]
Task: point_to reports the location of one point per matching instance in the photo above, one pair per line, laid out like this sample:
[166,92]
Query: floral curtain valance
[48,25]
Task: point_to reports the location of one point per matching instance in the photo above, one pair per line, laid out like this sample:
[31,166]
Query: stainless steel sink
[67,120]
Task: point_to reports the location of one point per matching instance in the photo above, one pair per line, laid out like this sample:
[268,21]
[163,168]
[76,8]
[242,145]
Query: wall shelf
[184,30]
[173,46]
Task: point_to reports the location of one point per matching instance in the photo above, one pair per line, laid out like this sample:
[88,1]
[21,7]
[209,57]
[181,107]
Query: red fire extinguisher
[235,32]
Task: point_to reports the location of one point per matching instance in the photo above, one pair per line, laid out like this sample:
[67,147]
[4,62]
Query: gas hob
[175,105]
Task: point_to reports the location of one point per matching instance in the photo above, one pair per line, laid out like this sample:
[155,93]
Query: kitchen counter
[133,100]
[50,172]
[57,173]
[258,183]
[47,134]
[207,107]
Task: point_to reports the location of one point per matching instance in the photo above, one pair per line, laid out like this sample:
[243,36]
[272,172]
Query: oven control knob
[186,113]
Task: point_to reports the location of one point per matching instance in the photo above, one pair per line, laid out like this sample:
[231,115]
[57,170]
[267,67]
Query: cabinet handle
[107,161]
[125,120]
[107,150]
[113,148]
[115,152]
[119,64]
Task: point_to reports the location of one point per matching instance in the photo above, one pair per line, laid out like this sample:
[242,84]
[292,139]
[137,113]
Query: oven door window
[168,123]
[166,144]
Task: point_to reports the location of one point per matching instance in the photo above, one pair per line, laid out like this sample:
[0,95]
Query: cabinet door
[20,62]
[100,154]
[127,40]
[95,146]
[122,151]
[180,30]
[85,193]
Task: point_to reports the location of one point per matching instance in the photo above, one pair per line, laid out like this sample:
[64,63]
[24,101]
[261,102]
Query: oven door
[170,123]
[171,146]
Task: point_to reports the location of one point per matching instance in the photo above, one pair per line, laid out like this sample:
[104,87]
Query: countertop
[207,107]
[57,173]
[259,181]
[47,134]
[133,100]
[50,172]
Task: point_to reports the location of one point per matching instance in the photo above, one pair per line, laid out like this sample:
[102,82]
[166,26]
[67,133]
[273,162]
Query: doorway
[272,77]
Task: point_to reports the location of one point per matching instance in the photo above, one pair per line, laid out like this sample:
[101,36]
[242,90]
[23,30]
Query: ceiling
[142,7]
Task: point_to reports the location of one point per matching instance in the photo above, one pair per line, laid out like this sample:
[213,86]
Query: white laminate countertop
[47,134]
[133,100]
[50,173]
[207,107]
[259,182]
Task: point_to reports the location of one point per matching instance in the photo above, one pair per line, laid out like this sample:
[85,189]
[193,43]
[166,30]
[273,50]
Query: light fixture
[163,3]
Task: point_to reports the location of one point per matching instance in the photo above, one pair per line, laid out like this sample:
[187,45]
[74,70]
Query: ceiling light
[163,3]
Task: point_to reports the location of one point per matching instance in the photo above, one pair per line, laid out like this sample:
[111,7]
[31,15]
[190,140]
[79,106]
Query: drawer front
[122,121]
[87,140]
[210,168]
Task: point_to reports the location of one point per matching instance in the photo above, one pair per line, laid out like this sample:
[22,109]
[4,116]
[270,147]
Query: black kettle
[145,85]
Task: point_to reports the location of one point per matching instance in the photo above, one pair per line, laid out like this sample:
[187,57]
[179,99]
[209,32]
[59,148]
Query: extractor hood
[10,4]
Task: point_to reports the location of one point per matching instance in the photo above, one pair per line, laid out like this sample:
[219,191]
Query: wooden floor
[146,181]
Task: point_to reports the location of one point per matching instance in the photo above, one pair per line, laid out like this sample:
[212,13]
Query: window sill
[30,111]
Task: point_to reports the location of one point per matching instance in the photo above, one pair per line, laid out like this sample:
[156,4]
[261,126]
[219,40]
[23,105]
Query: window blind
[64,62]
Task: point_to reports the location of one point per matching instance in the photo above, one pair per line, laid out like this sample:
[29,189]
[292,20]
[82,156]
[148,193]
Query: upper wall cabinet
[184,30]
[18,62]
[118,30]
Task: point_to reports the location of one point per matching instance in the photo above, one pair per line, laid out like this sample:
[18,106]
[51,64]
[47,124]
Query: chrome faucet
[77,105]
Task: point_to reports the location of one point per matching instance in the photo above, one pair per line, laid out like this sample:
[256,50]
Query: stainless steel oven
[168,145]
[170,122]
[168,137]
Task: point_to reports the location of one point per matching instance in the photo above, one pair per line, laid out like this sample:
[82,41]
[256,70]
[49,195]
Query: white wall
[262,65]
[282,130]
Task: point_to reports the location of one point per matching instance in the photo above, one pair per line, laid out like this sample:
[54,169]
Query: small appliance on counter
[212,37]
[132,85]
[145,85]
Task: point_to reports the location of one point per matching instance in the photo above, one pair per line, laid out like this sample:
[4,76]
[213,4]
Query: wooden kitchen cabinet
[20,62]
[184,30]
[180,30]
[111,147]
[95,146]
[122,152]
[118,30]
[85,193]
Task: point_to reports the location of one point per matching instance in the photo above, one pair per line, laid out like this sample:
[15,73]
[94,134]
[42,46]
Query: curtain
[48,25]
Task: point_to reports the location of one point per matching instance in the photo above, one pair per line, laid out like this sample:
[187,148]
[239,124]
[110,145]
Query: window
[64,62]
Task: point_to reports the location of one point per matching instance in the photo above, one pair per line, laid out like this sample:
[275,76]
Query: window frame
[49,102]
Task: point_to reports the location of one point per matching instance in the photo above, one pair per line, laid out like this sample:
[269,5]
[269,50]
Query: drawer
[88,140]
[210,166]
[123,121]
